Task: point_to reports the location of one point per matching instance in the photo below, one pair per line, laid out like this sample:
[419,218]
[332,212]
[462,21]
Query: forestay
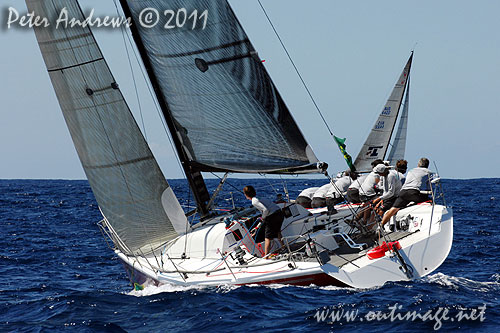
[124,176]
[227,112]
[377,143]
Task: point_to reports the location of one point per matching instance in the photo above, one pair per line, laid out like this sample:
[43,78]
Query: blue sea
[58,274]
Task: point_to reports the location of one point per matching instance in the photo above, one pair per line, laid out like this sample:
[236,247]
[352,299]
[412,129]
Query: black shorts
[407,196]
[272,224]
[366,198]
[388,203]
[318,202]
[303,201]
[333,201]
[353,195]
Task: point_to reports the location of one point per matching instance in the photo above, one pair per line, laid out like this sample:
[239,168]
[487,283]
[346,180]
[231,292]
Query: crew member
[410,191]
[305,197]
[272,217]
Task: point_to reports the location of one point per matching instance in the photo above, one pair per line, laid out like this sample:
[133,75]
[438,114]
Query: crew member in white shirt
[272,217]
[410,192]
[305,197]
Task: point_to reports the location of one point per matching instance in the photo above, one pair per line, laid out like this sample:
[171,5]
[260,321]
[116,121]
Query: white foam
[270,286]
[280,286]
[333,288]
[457,282]
[164,288]
[170,288]
[226,288]
[438,278]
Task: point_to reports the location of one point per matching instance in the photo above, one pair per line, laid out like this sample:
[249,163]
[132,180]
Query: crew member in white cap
[390,183]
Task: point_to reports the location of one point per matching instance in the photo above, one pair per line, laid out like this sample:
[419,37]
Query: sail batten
[123,174]
[377,143]
[197,52]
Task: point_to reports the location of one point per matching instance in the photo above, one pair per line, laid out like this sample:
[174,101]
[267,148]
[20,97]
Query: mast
[194,177]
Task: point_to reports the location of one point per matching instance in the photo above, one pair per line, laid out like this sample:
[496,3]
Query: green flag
[348,159]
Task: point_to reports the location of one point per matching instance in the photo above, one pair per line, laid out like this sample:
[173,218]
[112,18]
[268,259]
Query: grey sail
[225,110]
[399,144]
[377,143]
[128,185]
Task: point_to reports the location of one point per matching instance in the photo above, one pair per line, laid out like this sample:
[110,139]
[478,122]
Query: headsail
[399,143]
[377,143]
[125,178]
[226,112]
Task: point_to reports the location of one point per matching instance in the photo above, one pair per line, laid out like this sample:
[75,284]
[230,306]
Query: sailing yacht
[212,87]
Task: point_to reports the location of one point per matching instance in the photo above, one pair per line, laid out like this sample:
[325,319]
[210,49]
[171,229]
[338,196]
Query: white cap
[379,168]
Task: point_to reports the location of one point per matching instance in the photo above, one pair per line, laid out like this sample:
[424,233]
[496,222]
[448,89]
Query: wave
[171,288]
[164,288]
[462,282]
[276,286]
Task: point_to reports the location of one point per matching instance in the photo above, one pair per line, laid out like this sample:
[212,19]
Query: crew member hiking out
[410,191]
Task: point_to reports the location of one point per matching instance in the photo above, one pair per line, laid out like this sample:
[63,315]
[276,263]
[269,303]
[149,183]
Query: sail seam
[55,41]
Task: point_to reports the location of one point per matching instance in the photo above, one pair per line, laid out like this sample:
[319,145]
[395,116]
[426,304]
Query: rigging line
[349,206]
[155,102]
[237,189]
[122,28]
[264,175]
[296,69]
[285,188]
[187,226]
[440,184]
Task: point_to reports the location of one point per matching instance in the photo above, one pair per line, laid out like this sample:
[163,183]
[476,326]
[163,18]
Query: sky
[350,54]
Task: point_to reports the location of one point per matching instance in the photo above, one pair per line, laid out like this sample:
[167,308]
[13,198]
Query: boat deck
[345,254]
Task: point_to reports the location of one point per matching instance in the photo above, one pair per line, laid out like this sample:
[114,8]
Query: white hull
[423,251]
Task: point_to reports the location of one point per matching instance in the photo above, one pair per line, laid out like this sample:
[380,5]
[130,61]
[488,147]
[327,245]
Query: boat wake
[281,286]
[165,288]
[461,282]
[444,280]
[170,288]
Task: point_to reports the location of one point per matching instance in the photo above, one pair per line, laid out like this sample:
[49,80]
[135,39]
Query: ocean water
[58,274]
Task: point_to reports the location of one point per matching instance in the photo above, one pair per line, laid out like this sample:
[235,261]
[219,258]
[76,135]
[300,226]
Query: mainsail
[223,108]
[127,183]
[377,143]
[399,144]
